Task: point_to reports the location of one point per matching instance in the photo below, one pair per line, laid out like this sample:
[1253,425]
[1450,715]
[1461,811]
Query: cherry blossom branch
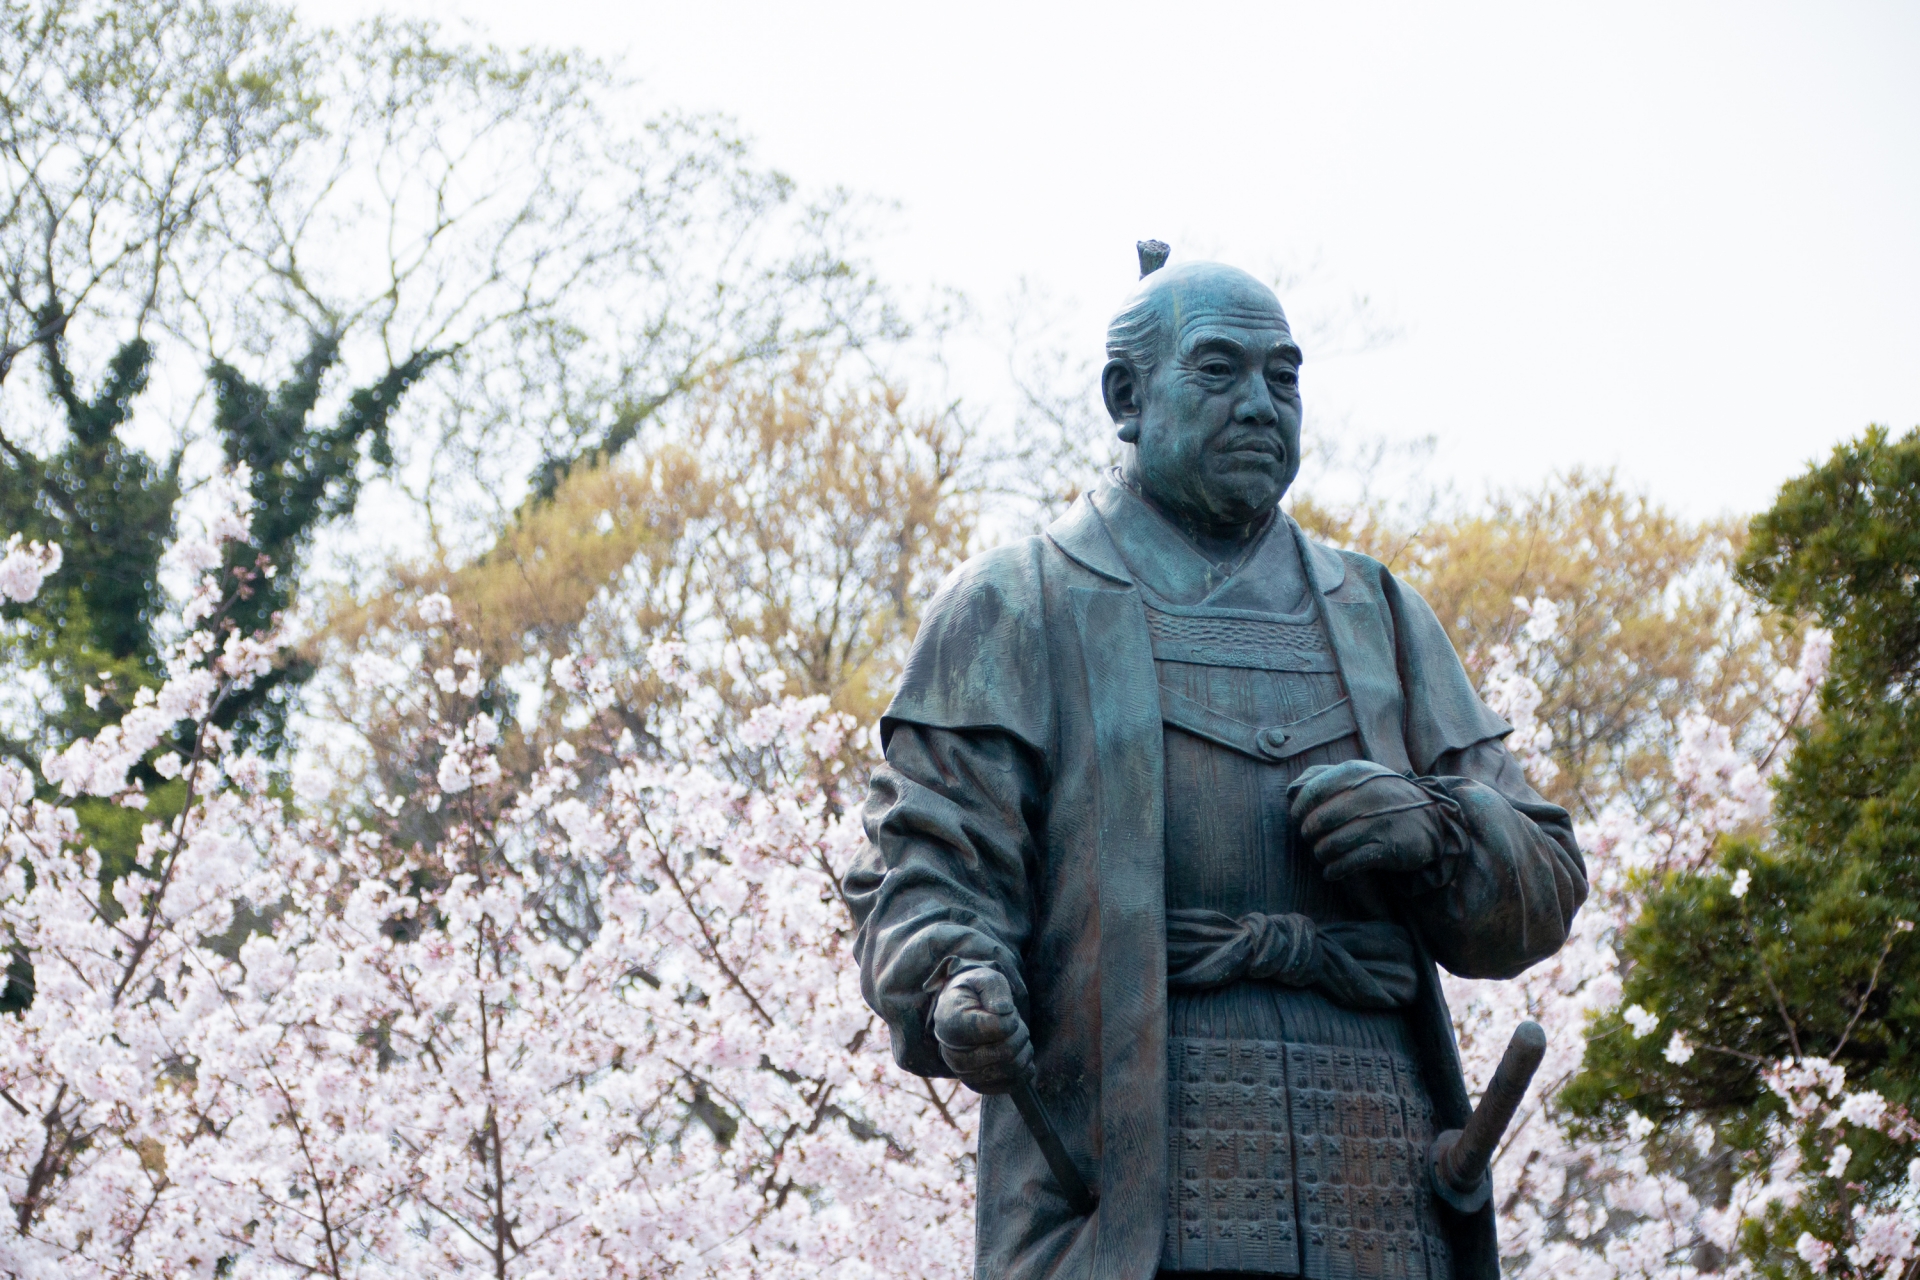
[60,1139]
[665,866]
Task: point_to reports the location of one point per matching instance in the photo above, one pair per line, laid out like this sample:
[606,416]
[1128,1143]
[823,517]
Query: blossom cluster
[299,1041]
[24,567]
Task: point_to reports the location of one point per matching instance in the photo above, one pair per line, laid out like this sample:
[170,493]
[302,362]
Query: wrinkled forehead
[1224,300]
[1260,331]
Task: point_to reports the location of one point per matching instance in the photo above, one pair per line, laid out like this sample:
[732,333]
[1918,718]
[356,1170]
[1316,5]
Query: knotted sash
[1358,964]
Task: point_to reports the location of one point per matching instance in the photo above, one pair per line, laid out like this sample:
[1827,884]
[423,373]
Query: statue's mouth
[1257,451]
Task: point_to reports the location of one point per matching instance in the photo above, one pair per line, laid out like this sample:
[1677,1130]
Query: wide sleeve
[945,883]
[1508,899]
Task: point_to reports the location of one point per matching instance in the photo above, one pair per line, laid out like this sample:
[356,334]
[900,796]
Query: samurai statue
[1180,811]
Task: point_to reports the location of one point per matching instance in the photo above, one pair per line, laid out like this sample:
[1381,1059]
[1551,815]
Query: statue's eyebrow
[1201,338]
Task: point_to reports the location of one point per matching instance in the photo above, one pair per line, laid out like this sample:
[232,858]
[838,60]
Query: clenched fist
[1360,816]
[980,1032]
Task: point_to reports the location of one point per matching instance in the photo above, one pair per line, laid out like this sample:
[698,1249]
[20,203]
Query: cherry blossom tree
[301,1038]
[287,1045]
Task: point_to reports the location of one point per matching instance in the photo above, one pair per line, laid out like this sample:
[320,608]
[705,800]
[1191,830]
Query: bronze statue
[1180,810]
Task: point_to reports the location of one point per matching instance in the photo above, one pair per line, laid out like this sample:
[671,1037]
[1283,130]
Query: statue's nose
[1257,404]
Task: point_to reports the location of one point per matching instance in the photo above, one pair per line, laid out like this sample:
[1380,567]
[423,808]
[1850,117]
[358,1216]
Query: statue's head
[1203,381]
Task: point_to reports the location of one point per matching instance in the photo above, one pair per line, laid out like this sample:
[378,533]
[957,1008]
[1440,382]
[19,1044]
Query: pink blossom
[1815,1252]
[24,568]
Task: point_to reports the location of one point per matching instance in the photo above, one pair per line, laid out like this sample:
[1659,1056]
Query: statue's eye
[1217,369]
[1284,377]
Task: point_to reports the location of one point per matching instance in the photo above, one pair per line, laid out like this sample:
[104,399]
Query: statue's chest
[1295,1127]
[1249,703]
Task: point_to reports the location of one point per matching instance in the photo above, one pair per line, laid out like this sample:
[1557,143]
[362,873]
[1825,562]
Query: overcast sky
[1683,240]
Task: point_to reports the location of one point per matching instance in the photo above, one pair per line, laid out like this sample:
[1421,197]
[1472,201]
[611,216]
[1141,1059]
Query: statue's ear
[1120,388]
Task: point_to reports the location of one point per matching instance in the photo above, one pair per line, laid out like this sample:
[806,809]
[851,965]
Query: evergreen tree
[303,475]
[110,507]
[1800,945]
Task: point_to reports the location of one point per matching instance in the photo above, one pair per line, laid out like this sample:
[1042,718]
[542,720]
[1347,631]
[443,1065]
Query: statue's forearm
[1511,896]
[944,884]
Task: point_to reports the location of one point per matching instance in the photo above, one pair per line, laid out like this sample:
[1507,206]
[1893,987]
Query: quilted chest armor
[1298,1128]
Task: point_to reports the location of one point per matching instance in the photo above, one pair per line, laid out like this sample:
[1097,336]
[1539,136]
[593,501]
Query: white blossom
[1678,1051]
[1641,1020]
[1815,1252]
[435,609]
[24,567]
[1866,1109]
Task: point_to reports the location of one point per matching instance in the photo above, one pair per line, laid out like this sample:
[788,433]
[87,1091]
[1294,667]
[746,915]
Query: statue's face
[1216,423]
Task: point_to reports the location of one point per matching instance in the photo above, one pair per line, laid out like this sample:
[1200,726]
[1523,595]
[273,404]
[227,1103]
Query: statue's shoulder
[1014,578]
[1015,564]
[994,599]
[1014,572]
[1341,572]
[981,657]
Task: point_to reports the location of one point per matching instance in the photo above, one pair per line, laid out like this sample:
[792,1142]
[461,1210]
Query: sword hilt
[1040,1125]
[1460,1158]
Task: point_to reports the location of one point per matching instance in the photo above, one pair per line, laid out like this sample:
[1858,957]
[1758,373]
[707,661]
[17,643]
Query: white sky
[1679,239]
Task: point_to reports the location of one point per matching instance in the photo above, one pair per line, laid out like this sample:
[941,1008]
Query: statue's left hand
[1357,817]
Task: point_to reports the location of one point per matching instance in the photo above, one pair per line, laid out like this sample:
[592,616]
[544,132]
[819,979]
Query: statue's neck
[1220,543]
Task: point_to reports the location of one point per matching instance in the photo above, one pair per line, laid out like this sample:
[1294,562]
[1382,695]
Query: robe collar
[1085,538]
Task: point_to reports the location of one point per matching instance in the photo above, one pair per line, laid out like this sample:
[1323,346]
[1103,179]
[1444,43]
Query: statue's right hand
[980,1032]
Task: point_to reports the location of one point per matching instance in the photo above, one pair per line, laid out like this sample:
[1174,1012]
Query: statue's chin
[1215,495]
[1242,499]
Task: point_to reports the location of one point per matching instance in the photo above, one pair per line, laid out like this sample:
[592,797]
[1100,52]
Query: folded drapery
[1359,964]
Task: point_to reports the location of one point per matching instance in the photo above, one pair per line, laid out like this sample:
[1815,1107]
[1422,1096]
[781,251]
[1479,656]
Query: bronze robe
[1020,823]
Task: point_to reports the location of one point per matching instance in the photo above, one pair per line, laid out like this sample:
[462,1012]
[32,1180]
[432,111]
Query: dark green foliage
[302,476]
[1819,958]
[1843,544]
[114,505]
[17,995]
[110,507]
